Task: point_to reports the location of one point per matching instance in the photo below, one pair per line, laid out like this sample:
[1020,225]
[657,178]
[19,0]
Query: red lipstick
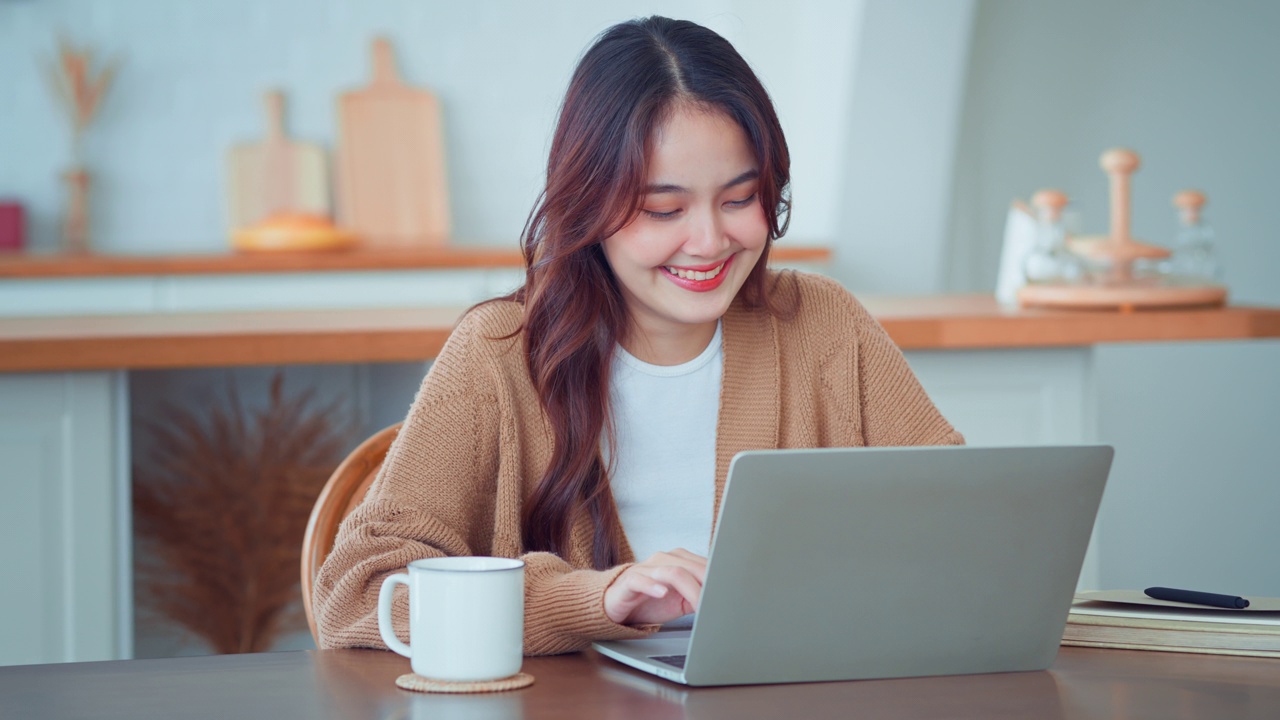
[701,285]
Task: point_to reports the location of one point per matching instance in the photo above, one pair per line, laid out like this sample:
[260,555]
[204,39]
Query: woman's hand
[658,590]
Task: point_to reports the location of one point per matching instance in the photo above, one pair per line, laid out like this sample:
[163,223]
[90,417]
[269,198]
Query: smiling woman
[585,423]
[696,233]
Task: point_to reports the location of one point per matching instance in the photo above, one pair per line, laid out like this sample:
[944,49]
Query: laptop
[859,563]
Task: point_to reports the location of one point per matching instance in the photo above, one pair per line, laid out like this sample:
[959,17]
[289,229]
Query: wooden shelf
[43,344]
[225,339]
[63,266]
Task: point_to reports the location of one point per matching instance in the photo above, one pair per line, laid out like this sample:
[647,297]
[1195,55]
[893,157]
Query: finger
[629,591]
[689,555]
[639,582]
[694,565]
[680,594]
[682,581]
[669,578]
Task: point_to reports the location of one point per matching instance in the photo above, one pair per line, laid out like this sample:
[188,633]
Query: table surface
[226,339]
[1083,683]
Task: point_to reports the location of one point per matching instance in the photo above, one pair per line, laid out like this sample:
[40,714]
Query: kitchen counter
[1191,420]
[179,340]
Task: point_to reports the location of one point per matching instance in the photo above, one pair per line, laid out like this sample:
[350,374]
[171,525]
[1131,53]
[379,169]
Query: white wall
[194,72]
[912,123]
[901,135]
[1191,85]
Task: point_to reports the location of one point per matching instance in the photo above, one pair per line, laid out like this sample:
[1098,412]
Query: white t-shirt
[663,476]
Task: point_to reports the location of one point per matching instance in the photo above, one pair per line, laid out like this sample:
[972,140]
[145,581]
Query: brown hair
[623,89]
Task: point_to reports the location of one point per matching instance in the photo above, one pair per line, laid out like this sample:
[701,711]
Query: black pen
[1193,597]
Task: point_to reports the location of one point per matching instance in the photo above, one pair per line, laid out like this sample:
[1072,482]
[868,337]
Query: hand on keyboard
[662,588]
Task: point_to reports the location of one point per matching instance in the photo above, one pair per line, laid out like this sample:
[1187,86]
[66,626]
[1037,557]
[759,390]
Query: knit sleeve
[439,494]
[564,606]
[895,409]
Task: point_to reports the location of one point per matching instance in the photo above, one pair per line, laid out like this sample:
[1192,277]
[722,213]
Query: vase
[75,227]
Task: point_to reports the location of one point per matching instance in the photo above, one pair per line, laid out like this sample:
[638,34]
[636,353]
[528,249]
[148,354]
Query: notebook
[855,563]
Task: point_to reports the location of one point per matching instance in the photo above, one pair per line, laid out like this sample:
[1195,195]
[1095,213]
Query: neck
[668,346]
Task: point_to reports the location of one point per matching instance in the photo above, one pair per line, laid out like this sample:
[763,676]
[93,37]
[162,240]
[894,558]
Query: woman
[587,421]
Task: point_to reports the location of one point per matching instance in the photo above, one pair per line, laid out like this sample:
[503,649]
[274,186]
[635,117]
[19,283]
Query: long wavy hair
[624,88]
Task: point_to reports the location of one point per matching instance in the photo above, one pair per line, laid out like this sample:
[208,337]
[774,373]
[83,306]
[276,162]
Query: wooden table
[1082,683]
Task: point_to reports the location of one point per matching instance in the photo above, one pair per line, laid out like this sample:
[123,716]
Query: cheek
[750,229]
[621,255]
[650,247]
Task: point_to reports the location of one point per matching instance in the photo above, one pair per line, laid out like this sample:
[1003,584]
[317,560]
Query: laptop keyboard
[676,661]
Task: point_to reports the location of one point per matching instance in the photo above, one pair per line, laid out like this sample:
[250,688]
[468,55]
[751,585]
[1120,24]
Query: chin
[709,308]
[702,318]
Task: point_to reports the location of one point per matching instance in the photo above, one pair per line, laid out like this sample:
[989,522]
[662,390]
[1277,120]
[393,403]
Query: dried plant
[79,88]
[222,505]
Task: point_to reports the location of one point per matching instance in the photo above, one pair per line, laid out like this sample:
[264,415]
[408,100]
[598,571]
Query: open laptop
[855,563]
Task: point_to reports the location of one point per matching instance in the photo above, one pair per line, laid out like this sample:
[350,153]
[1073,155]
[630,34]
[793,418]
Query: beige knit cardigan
[476,442]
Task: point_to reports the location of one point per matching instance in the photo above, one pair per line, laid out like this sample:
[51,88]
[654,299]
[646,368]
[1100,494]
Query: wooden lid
[1050,201]
[1189,200]
[1120,160]
[1102,247]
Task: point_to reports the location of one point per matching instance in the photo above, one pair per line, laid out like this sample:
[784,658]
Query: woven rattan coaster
[417,683]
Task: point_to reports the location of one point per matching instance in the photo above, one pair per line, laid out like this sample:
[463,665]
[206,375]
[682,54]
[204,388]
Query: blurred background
[912,125]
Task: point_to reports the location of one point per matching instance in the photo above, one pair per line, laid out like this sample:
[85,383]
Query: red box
[12,226]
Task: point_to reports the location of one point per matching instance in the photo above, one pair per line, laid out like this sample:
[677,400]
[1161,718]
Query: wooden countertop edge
[418,334]
[1059,329]
[31,266]
[231,350]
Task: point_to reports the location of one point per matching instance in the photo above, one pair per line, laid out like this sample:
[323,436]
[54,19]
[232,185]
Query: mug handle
[385,596]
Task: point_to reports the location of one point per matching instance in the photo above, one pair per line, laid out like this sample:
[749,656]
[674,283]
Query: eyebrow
[677,189]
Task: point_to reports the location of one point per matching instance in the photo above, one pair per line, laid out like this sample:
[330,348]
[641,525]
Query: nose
[707,237]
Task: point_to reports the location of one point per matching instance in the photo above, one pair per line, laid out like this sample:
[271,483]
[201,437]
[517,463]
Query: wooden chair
[345,490]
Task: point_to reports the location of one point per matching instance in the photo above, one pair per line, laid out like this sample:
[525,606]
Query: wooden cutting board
[392,188]
[276,175]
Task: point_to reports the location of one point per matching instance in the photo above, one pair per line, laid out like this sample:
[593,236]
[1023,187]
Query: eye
[744,202]
[661,215]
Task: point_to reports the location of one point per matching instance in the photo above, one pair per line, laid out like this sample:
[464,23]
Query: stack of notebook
[1130,620]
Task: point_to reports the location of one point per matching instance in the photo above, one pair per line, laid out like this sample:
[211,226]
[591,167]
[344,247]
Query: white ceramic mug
[466,617]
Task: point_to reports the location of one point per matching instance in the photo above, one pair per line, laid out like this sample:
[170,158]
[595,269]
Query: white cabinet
[1011,397]
[64,594]
[1194,496]
[1194,491]
[1017,397]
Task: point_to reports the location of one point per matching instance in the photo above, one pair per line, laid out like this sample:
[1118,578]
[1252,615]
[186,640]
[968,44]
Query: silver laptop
[854,563]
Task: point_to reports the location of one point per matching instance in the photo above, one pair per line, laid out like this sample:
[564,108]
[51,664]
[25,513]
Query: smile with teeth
[694,274]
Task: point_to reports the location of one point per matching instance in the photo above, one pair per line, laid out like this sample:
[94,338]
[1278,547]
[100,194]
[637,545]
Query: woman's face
[700,231]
